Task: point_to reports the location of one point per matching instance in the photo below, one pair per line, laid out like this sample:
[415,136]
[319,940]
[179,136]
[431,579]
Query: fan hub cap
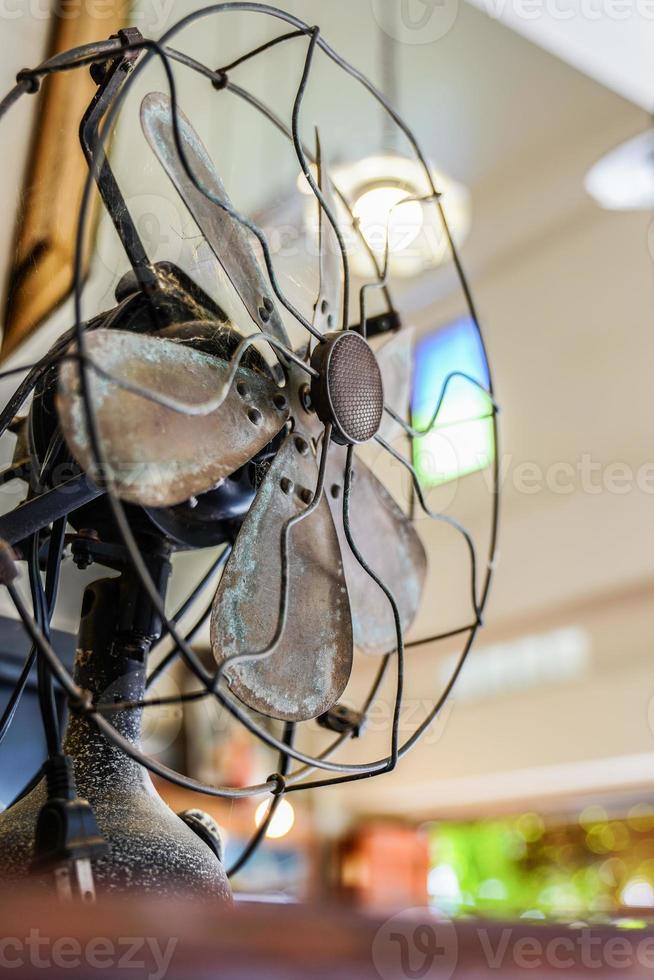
[347,392]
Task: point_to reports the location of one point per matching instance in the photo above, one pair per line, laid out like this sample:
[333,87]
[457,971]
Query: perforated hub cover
[348,391]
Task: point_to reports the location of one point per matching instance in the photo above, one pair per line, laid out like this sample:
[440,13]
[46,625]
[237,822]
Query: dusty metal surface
[227,237]
[328,307]
[395,360]
[388,542]
[158,456]
[310,667]
[152,852]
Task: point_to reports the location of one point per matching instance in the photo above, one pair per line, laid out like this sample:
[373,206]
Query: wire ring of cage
[300,757]
[359,768]
[282,15]
[115,504]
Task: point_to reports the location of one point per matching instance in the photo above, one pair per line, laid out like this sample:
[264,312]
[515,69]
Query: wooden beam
[41,275]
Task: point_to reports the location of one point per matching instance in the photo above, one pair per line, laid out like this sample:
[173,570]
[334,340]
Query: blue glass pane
[461,441]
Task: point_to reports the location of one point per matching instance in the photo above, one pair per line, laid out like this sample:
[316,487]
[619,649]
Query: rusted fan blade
[388,542]
[159,456]
[310,667]
[328,307]
[395,361]
[226,236]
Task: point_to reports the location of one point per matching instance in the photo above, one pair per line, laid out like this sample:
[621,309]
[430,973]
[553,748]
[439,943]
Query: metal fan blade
[395,359]
[328,306]
[310,666]
[387,541]
[159,456]
[225,235]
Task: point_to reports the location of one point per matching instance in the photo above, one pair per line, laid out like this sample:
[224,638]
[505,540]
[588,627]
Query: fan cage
[286,779]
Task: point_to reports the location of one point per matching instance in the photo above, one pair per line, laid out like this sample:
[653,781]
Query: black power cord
[47,701]
[67,835]
[67,838]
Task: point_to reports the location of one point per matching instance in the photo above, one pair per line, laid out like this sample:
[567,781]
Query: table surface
[156,939]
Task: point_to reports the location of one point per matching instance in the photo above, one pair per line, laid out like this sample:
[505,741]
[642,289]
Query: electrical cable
[257,838]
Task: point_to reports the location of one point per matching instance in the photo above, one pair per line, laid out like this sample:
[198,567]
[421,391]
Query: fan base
[151,849]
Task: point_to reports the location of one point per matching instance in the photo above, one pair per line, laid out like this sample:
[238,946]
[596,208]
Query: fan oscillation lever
[110,78]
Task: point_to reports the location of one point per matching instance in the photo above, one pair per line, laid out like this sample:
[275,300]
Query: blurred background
[534,792]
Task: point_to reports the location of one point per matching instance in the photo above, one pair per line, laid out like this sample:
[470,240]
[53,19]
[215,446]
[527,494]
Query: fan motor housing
[347,391]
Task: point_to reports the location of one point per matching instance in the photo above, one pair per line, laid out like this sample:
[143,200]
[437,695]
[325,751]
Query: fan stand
[151,848]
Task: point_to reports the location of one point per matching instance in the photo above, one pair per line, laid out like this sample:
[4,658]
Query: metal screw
[286,485]
[280,402]
[306,496]
[302,446]
[241,389]
[255,416]
[335,491]
[264,314]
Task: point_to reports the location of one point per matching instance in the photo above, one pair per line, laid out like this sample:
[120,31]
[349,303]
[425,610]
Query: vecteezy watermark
[380,717]
[149,15]
[160,225]
[567,10]
[151,957]
[415,21]
[440,464]
[415,944]
[585,475]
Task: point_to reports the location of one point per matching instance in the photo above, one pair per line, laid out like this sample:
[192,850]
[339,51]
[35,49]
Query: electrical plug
[67,835]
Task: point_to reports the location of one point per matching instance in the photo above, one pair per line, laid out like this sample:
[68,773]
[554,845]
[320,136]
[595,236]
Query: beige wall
[565,293]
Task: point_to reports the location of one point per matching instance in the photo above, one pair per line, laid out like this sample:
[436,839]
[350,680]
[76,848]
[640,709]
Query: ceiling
[609,40]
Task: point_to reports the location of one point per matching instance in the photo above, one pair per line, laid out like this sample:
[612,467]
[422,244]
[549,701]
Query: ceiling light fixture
[623,180]
[390,197]
[386,194]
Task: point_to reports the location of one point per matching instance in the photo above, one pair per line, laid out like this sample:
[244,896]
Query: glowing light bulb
[382,192]
[380,213]
[282,821]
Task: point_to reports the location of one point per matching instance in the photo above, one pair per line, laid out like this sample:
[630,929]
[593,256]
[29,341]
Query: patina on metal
[158,456]
[328,305]
[225,235]
[309,668]
[390,545]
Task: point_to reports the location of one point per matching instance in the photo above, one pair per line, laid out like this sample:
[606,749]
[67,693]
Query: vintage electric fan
[178,433]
